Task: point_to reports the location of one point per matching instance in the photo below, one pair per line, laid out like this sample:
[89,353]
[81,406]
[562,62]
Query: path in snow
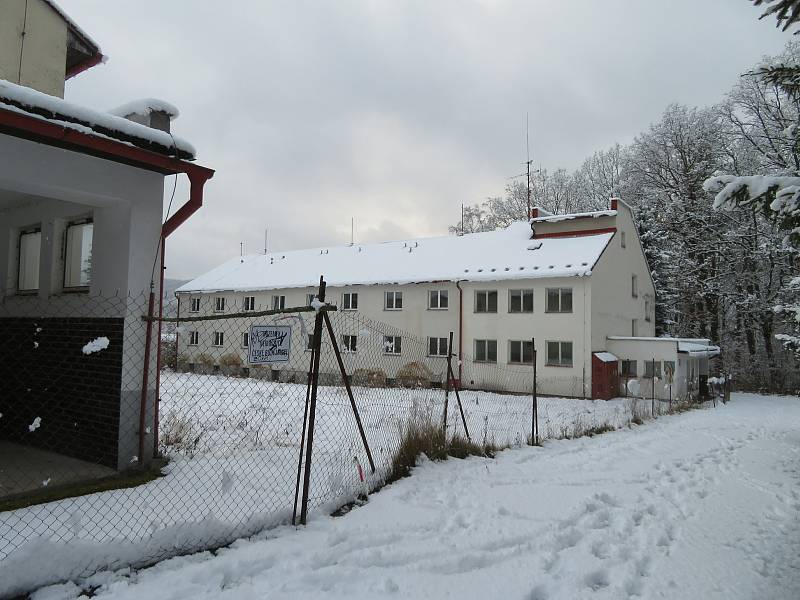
[700,505]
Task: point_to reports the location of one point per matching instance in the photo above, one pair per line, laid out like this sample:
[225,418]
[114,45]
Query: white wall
[43,48]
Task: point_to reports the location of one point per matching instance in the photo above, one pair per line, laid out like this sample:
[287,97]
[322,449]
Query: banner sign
[269,344]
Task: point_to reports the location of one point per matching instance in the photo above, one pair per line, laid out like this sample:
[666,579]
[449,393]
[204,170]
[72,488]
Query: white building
[575,283]
[81,234]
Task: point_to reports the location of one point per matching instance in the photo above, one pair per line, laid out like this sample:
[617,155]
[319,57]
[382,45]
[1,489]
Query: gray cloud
[397,112]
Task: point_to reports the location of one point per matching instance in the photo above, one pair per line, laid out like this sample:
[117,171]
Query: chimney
[535,212]
[149,112]
[614,203]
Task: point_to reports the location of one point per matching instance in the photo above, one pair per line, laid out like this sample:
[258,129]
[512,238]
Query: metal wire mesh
[82,467]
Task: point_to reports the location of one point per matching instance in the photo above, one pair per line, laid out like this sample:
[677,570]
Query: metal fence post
[653,394]
[312,409]
[535,399]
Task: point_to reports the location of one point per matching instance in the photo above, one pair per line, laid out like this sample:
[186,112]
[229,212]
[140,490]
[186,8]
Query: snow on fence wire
[86,484]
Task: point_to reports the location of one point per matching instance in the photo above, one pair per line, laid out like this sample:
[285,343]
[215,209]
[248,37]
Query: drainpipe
[460,329]
[197,179]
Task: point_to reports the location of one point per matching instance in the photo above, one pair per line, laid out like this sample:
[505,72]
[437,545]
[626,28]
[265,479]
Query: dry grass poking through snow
[424,436]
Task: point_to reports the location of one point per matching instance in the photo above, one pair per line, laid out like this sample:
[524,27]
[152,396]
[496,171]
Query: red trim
[561,234]
[39,130]
[90,62]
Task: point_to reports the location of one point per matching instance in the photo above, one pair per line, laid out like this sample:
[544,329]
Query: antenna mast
[266,238]
[352,230]
[528,161]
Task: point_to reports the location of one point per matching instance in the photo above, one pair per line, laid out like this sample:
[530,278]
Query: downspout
[197,180]
[460,329]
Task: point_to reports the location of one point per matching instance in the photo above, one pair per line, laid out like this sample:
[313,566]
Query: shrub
[230,361]
[205,359]
[169,358]
[368,378]
[414,375]
[423,436]
[183,362]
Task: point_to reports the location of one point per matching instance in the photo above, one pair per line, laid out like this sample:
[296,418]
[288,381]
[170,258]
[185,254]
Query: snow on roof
[75,116]
[606,356]
[584,215]
[144,107]
[694,348]
[658,339]
[487,256]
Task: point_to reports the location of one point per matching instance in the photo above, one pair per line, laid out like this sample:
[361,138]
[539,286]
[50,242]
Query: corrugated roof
[490,256]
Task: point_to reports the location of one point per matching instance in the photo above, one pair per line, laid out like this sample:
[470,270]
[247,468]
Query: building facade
[564,284]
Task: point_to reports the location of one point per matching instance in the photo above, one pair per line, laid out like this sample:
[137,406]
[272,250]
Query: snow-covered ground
[233,445]
[700,505]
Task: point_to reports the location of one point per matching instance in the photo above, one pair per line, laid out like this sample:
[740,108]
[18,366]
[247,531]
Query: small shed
[604,376]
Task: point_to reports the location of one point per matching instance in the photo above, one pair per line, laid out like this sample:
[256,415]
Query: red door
[604,379]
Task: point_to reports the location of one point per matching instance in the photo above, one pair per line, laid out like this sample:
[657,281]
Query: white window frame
[249,303]
[194,304]
[310,342]
[522,345]
[310,299]
[561,293]
[350,301]
[634,327]
[245,339]
[648,366]
[394,296]
[219,303]
[487,345]
[441,346]
[634,286]
[194,338]
[487,294]
[395,342]
[80,287]
[648,302]
[349,343]
[622,239]
[219,339]
[629,372]
[278,302]
[560,362]
[439,295]
[522,294]
[37,230]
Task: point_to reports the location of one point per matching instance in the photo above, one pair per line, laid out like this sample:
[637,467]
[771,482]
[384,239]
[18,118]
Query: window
[349,343]
[193,338]
[310,343]
[392,344]
[219,304]
[246,339]
[648,369]
[622,239]
[628,368]
[78,254]
[219,338]
[520,352]
[647,309]
[30,248]
[249,302]
[486,351]
[486,302]
[393,300]
[669,370]
[278,302]
[634,286]
[559,300]
[634,327]
[195,307]
[350,301]
[438,299]
[559,354]
[520,301]
[310,299]
[437,346]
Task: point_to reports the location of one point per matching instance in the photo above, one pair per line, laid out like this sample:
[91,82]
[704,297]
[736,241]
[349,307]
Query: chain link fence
[86,484]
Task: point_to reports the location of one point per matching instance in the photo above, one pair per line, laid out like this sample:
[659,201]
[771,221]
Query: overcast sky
[397,112]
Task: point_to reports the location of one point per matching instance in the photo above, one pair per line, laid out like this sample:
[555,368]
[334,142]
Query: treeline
[719,274]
